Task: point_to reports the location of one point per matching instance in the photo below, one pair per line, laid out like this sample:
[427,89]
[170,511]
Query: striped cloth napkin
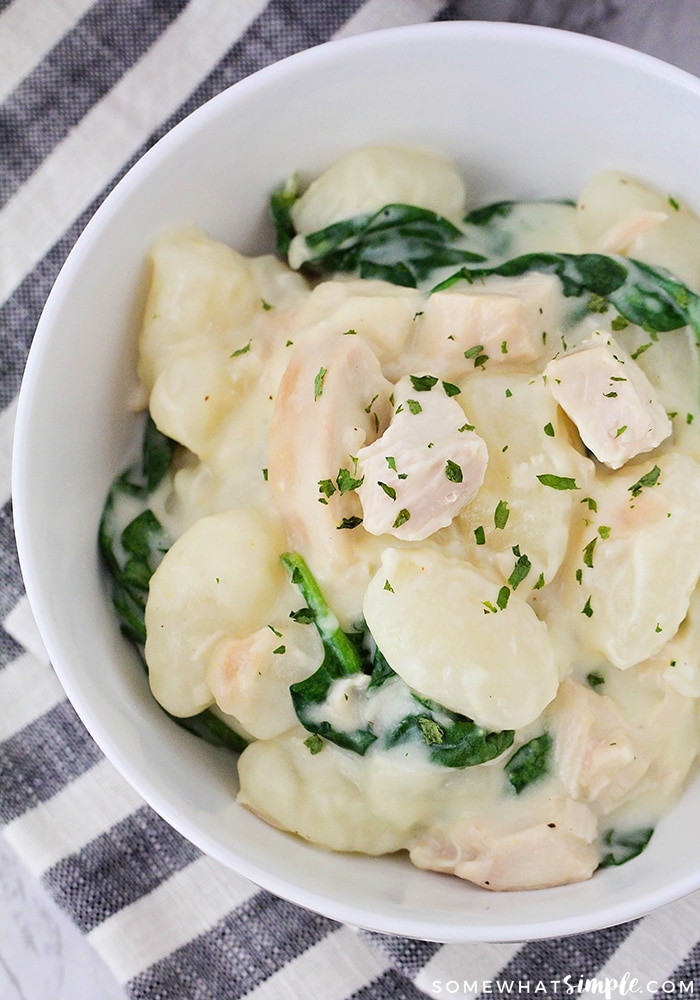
[85,88]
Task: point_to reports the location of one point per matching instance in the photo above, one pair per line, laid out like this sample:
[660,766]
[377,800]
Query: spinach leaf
[402,244]
[453,739]
[646,296]
[133,554]
[341,659]
[623,846]
[493,213]
[280,209]
[530,762]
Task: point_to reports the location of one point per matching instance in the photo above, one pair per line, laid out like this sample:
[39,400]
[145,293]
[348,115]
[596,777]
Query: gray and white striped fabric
[85,88]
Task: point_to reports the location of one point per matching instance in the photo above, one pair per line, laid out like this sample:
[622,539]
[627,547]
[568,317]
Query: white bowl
[525,111]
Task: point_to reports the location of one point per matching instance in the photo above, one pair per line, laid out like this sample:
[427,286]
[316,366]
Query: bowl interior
[525,112]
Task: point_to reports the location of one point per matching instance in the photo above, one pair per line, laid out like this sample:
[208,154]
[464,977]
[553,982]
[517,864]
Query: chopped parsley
[557,482]
[432,731]
[587,610]
[451,389]
[414,406]
[389,490]
[315,743]
[588,553]
[241,350]
[401,518]
[454,472]
[346,482]
[476,355]
[318,382]
[350,522]
[650,478]
[521,569]
[501,514]
[423,383]
[480,535]
[304,616]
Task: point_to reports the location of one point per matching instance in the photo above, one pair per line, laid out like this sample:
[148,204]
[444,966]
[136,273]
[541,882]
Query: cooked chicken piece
[597,756]
[424,468]
[381,313]
[463,329]
[610,399]
[540,840]
[332,400]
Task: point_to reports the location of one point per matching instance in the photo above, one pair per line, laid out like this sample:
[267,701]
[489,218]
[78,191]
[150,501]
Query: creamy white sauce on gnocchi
[495,484]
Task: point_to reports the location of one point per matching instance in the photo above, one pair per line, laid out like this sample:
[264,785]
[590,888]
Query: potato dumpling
[220,578]
[440,626]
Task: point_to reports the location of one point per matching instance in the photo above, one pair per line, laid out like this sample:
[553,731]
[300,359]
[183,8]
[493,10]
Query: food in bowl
[414,527]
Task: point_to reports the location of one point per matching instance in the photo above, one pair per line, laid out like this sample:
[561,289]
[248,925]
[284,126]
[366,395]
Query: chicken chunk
[424,468]
[498,323]
[332,400]
[610,399]
[596,754]
[538,841]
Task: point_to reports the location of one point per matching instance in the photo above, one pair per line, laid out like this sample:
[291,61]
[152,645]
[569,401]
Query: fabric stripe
[248,946]
[465,963]
[281,30]
[7,427]
[117,868]
[390,984]
[162,924]
[25,38]
[21,625]
[578,955]
[43,758]
[336,968]
[10,579]
[376,14]
[20,314]
[74,76]
[651,950]
[65,823]
[9,650]
[686,973]
[82,168]
[43,210]
[407,955]
[25,674]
